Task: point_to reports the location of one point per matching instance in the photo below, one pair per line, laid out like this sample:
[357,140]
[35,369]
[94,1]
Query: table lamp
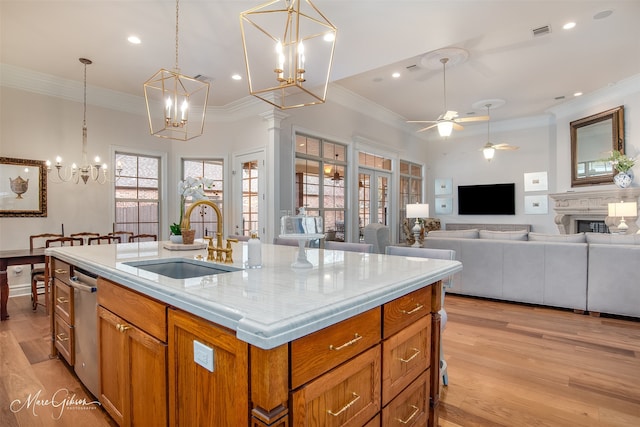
[623,209]
[417,211]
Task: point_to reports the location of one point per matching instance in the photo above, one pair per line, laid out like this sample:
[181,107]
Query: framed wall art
[23,187]
[443,186]
[536,205]
[535,181]
[444,205]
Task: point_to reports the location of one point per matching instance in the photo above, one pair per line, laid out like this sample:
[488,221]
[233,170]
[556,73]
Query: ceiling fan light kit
[489,149]
[449,120]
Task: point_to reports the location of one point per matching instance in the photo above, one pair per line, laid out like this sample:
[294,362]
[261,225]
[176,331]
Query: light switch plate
[203,355]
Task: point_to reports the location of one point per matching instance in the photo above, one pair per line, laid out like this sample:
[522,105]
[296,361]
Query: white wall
[36,126]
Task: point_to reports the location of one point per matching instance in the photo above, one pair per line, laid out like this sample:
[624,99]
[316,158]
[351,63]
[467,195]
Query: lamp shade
[418,210]
[623,209]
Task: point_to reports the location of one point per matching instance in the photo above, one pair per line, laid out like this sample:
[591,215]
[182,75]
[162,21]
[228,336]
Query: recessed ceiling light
[395,75]
[236,77]
[329,37]
[577,94]
[569,25]
[134,40]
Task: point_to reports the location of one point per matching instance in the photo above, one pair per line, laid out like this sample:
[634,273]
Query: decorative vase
[188,236]
[623,179]
[175,238]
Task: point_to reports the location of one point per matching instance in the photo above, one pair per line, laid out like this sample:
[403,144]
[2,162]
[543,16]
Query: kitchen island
[267,346]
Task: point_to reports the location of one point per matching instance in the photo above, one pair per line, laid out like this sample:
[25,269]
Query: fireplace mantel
[591,205]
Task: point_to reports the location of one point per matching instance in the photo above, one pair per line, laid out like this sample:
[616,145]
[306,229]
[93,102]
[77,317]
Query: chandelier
[86,171]
[288,50]
[179,102]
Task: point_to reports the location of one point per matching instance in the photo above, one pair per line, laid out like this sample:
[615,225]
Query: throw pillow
[566,238]
[448,234]
[504,235]
[613,239]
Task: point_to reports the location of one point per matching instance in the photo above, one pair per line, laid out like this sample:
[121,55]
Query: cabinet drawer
[411,407]
[320,351]
[61,271]
[405,356]
[64,339]
[141,311]
[405,310]
[63,301]
[348,395]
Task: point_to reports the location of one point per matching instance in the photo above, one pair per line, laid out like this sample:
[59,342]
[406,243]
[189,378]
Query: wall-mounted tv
[489,199]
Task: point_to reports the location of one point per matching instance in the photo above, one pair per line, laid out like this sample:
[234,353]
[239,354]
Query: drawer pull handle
[122,328]
[416,352]
[62,300]
[60,271]
[356,338]
[415,411]
[345,407]
[417,308]
[61,337]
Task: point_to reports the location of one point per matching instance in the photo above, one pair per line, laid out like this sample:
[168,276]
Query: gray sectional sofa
[585,271]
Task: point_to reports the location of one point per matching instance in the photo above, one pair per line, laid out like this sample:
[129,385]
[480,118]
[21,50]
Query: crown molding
[73,90]
[613,93]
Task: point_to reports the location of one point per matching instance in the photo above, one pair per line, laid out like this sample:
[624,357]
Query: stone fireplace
[591,206]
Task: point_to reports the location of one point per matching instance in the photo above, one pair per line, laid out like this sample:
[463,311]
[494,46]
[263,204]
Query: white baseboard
[19,290]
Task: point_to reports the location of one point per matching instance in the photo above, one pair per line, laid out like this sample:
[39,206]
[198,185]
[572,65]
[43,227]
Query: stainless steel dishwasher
[85,286]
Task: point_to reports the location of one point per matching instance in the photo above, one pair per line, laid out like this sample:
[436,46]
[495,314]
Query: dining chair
[85,235]
[124,235]
[39,241]
[143,238]
[107,240]
[349,247]
[449,254]
[41,281]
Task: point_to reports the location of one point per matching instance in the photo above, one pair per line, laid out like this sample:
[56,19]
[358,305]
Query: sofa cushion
[503,235]
[564,238]
[453,234]
[613,239]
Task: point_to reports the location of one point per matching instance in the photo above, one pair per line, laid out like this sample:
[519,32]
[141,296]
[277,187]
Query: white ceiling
[375,38]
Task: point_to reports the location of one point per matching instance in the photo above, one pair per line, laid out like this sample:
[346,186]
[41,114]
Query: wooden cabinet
[133,362]
[372,369]
[316,353]
[347,396]
[208,373]
[405,356]
[63,317]
[411,406]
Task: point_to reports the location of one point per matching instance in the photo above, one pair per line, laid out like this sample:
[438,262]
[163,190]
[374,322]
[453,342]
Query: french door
[373,198]
[248,194]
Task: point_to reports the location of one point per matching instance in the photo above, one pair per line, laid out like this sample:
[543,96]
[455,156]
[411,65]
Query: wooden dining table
[15,257]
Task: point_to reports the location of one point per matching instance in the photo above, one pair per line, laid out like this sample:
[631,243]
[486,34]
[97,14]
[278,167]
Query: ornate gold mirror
[592,139]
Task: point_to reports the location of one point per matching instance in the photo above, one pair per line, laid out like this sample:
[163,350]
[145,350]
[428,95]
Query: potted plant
[176,233]
[623,164]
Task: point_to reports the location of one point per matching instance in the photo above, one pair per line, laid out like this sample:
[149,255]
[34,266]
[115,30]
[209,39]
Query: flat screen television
[489,199]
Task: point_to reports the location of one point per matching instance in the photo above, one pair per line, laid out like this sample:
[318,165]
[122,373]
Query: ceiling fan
[448,120]
[489,149]
[336,175]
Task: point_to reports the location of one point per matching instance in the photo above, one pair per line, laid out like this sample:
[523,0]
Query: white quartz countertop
[272,305]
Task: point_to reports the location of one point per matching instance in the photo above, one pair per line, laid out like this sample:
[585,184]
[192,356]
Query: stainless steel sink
[181,268]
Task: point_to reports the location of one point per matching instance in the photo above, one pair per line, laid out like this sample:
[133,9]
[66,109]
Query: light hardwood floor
[509,365]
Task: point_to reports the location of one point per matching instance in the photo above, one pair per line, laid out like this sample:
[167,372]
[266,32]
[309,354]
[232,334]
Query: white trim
[163,223]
